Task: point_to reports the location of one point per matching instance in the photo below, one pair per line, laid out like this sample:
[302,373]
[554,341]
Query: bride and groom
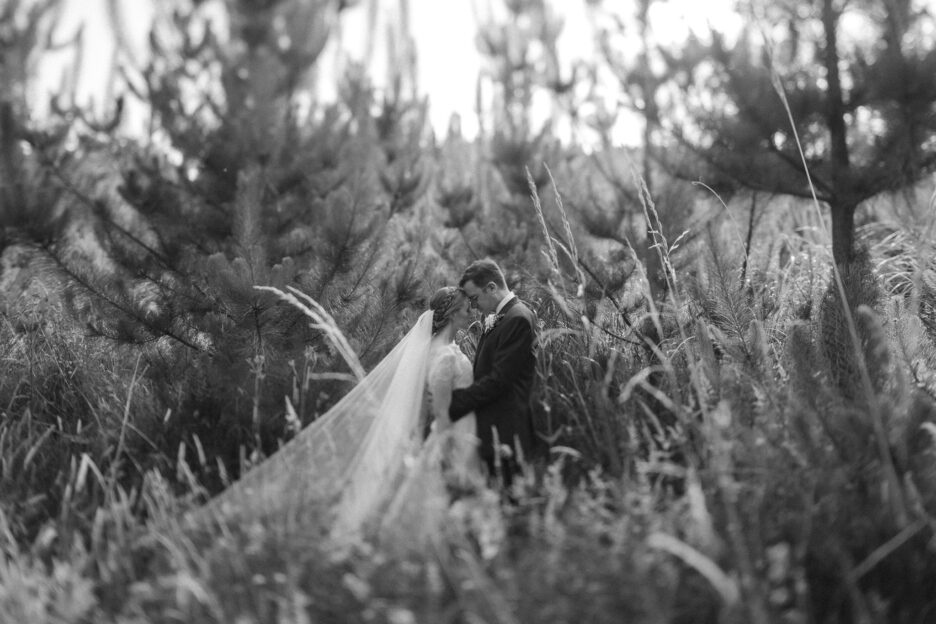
[489,400]
[367,464]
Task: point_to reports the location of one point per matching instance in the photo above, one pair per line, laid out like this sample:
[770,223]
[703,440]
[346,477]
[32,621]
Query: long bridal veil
[338,472]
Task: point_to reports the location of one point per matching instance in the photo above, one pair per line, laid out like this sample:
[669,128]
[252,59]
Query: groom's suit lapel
[484,335]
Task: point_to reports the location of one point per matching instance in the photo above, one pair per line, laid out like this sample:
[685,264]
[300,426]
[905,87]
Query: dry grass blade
[35,446]
[115,465]
[567,226]
[726,586]
[323,321]
[553,257]
[886,549]
[87,464]
[637,380]
[655,230]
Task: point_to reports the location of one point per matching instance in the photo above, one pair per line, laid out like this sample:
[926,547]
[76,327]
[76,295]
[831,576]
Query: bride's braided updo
[443,304]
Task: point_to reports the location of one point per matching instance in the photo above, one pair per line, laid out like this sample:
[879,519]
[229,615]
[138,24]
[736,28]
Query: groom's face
[484,298]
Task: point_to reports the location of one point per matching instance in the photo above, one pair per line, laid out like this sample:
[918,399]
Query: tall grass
[764,402]
[728,469]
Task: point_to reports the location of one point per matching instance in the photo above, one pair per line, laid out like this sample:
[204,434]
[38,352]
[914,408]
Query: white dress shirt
[503,302]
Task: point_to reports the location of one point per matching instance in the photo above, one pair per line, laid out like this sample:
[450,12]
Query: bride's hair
[443,304]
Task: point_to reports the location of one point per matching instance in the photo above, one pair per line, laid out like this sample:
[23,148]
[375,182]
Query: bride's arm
[440,381]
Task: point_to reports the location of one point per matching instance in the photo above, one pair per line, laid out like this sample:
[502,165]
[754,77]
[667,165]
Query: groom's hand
[456,407]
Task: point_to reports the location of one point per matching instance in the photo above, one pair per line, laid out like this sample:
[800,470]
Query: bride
[364,467]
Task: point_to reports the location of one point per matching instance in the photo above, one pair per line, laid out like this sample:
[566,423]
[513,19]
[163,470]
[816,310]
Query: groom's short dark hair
[480,272]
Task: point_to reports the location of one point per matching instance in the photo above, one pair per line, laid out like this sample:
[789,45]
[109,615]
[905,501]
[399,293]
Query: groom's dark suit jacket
[504,368]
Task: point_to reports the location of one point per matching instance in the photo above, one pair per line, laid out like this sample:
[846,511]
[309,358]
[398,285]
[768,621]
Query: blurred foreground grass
[748,451]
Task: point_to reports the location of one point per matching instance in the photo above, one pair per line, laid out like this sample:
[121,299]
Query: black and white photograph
[467,311]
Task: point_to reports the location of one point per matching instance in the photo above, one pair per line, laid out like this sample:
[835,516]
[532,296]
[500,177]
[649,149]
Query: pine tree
[862,104]
[246,182]
[639,84]
[520,58]
[26,192]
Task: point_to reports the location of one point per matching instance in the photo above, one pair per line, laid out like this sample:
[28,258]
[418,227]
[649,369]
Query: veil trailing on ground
[338,472]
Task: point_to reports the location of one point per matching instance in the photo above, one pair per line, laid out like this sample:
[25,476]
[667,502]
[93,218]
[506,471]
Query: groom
[503,371]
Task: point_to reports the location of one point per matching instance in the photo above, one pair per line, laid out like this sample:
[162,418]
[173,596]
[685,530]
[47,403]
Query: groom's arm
[510,361]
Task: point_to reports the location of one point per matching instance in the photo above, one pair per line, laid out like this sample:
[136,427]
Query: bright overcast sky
[448,61]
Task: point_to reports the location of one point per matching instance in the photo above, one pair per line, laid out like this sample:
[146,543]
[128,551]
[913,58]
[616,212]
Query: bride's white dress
[447,460]
[363,467]
[449,369]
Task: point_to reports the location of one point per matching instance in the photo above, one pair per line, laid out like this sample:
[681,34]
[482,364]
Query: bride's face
[461,318]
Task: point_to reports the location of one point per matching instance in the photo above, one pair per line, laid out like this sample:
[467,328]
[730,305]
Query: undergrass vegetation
[729,455]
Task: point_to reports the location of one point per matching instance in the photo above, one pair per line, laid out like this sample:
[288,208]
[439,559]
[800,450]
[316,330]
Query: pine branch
[154,329]
[750,183]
